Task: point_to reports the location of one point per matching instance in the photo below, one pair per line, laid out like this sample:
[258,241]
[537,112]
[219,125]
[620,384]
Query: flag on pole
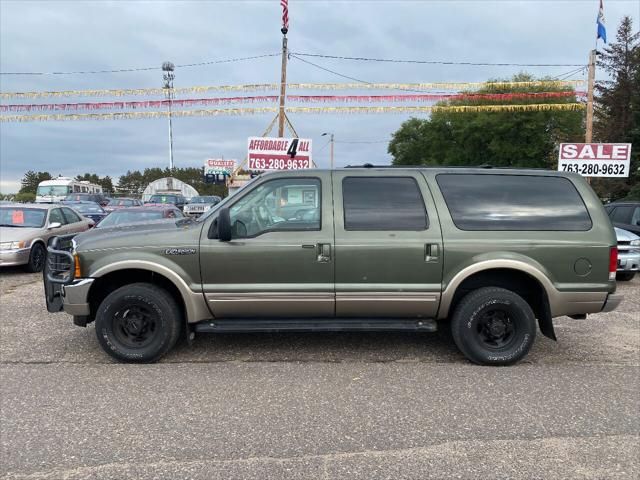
[285,16]
[602,31]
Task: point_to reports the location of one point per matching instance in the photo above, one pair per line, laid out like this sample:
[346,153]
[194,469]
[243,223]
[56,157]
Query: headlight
[12,245]
[635,243]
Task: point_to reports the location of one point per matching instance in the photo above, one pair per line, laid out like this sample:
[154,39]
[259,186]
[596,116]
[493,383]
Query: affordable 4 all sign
[266,153]
[595,159]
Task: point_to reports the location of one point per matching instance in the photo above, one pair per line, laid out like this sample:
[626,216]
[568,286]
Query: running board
[233,325]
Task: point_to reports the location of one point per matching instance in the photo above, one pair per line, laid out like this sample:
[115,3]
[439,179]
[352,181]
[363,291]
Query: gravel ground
[322,405]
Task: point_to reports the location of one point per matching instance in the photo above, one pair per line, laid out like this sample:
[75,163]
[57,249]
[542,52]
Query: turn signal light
[78,271]
[613,262]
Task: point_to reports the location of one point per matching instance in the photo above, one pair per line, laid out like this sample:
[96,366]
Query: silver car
[198,205]
[26,228]
[628,254]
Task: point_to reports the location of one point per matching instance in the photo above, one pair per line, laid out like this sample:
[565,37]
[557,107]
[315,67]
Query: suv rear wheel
[493,326]
[138,323]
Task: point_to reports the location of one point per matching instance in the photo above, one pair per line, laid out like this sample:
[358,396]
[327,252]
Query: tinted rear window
[383,203]
[513,202]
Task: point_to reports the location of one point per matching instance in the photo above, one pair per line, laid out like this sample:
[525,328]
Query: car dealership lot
[316,405]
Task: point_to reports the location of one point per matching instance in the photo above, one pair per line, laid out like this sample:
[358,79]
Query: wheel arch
[118,274]
[519,277]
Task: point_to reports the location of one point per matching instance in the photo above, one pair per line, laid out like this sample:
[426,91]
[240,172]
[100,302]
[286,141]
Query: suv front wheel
[138,323]
[493,326]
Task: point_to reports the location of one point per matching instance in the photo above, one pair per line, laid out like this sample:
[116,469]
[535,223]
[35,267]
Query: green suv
[494,251]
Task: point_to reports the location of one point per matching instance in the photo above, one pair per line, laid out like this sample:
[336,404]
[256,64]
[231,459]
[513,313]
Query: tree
[617,106]
[513,139]
[105,183]
[31,180]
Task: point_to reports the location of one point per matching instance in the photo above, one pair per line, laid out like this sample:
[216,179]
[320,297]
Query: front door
[279,262]
[388,245]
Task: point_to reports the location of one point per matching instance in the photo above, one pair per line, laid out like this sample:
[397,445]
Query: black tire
[625,276]
[493,326]
[37,257]
[138,323]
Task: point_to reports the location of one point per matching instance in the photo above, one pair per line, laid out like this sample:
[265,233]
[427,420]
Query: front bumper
[75,297]
[612,302]
[628,262]
[14,257]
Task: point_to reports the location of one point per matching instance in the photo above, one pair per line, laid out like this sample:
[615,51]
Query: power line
[363,141]
[436,62]
[142,69]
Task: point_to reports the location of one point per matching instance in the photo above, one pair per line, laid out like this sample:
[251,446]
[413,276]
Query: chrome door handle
[324,252]
[431,252]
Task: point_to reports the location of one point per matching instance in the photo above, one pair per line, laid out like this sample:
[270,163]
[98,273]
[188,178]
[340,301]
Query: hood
[623,235]
[157,233]
[15,234]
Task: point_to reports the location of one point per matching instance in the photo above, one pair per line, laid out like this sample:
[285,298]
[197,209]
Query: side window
[513,202]
[635,220]
[610,211]
[383,203]
[289,204]
[622,214]
[55,215]
[70,215]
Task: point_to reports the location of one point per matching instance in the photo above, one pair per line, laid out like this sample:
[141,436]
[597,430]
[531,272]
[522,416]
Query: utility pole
[168,76]
[590,86]
[283,84]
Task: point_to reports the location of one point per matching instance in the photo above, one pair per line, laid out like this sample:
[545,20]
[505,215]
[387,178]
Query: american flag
[285,15]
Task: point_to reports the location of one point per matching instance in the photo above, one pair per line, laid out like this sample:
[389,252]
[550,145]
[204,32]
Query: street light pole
[330,147]
[168,76]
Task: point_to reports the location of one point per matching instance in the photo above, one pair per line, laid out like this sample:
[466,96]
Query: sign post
[595,159]
[268,153]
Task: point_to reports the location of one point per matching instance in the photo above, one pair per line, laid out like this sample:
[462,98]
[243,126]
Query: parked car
[116,203]
[90,210]
[492,250]
[98,198]
[26,228]
[168,198]
[628,254]
[126,216]
[198,205]
[625,215]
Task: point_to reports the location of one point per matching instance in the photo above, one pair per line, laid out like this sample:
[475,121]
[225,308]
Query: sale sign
[219,166]
[265,153]
[595,159]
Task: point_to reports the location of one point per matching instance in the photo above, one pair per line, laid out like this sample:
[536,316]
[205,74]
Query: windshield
[88,208]
[204,200]
[163,199]
[57,190]
[121,203]
[123,218]
[22,217]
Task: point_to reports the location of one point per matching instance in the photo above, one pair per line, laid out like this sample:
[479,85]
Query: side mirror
[224,225]
[53,225]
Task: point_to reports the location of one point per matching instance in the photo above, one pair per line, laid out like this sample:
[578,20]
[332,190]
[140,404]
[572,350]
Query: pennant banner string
[294,86]
[183,103]
[308,110]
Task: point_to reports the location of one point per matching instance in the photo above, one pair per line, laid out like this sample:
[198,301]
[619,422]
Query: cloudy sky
[50,36]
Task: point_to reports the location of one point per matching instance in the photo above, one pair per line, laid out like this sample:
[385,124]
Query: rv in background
[56,190]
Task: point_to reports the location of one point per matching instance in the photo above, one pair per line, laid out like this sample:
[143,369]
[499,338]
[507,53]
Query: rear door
[388,245]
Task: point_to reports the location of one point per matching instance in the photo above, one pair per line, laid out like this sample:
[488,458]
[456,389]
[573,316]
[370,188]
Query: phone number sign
[267,153]
[595,159]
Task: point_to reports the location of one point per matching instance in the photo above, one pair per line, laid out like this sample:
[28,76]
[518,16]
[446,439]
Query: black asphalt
[318,406]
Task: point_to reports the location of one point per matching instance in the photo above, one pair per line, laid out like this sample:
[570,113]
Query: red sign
[264,153]
[595,159]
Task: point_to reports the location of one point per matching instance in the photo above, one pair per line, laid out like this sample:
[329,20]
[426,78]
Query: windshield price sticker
[595,159]
[265,153]
[17,217]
